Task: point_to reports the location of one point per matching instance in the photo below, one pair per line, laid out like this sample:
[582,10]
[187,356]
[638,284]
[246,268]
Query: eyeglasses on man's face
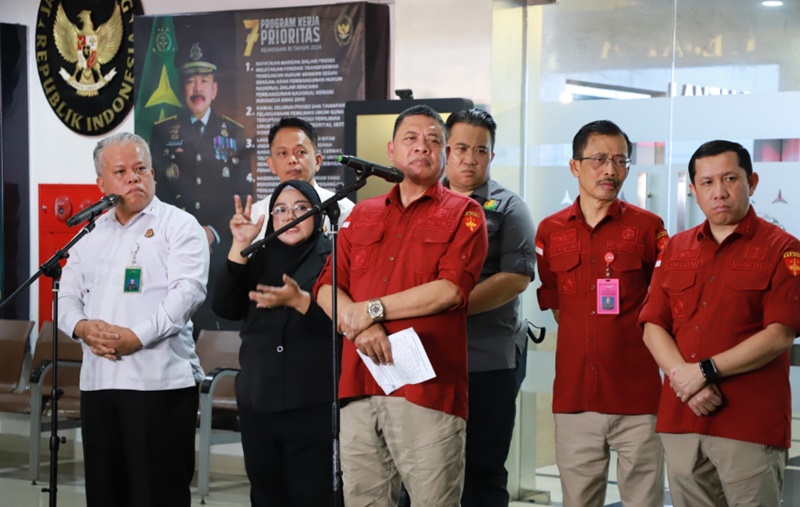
[601,159]
[298,209]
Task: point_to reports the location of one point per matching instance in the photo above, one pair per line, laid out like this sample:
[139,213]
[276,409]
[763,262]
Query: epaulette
[174,116]
[228,118]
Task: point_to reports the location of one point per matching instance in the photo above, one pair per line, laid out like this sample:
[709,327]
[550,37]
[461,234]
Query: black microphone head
[344,159]
[112,198]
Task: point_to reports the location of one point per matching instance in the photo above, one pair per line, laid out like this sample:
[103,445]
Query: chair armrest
[214,376]
[38,372]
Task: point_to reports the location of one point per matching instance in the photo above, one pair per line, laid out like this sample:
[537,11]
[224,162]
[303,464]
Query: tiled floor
[226,491]
[16,489]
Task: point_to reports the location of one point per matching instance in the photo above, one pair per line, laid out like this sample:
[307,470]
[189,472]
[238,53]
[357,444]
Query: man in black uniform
[201,161]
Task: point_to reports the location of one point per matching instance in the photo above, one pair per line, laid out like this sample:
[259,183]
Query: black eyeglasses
[298,209]
[598,161]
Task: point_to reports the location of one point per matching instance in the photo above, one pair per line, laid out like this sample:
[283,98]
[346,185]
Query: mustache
[196,96]
[613,181]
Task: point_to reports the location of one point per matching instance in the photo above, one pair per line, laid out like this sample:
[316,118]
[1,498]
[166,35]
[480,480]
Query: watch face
[375,309]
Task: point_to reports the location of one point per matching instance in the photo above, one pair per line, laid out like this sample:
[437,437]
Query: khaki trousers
[706,471]
[386,439]
[583,443]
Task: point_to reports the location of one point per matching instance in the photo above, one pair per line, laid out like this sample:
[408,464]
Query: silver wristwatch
[375,310]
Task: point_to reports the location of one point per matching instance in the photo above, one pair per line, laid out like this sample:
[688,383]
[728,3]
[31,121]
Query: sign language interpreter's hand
[243,229]
[290,295]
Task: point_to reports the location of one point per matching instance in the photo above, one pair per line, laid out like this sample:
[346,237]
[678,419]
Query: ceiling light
[771,3]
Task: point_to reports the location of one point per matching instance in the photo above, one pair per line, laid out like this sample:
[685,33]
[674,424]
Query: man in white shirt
[294,155]
[128,293]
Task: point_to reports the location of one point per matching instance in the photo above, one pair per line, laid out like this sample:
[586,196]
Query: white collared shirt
[172,252]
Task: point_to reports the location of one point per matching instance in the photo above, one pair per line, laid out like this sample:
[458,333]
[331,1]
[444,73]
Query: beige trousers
[583,443]
[706,471]
[385,440]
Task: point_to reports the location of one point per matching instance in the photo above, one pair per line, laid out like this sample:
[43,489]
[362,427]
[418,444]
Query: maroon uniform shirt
[602,364]
[712,297]
[384,249]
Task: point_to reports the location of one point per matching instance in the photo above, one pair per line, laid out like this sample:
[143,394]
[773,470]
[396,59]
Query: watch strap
[709,370]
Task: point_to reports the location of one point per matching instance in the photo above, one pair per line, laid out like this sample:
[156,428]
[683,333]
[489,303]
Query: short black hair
[718,147]
[296,123]
[475,117]
[599,127]
[420,110]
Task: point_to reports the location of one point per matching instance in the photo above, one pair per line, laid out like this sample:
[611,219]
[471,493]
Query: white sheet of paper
[410,362]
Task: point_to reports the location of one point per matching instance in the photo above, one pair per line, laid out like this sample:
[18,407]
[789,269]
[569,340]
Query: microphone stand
[52,269]
[331,209]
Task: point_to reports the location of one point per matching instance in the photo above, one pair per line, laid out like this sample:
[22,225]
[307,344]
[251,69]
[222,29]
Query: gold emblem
[149,233]
[471,222]
[87,48]
[343,30]
[172,172]
[791,260]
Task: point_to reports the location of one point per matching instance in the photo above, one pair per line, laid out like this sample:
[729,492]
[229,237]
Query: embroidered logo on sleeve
[791,260]
[539,248]
[661,240]
[677,304]
[472,220]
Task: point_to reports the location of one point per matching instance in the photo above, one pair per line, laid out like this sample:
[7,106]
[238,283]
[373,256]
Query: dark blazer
[200,174]
[286,357]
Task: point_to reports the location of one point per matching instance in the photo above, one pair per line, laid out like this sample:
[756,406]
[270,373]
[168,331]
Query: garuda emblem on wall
[88,49]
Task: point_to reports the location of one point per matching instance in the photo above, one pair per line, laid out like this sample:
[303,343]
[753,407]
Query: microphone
[389,174]
[108,201]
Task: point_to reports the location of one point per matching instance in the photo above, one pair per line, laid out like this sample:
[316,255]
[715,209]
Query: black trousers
[492,407]
[138,447]
[288,456]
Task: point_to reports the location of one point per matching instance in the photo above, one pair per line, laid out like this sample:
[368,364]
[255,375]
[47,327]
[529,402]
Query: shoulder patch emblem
[471,220]
[791,260]
[661,240]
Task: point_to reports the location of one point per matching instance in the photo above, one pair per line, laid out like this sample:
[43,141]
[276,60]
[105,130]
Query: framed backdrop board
[268,64]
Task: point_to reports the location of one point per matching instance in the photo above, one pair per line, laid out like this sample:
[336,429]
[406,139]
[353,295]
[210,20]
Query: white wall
[441,49]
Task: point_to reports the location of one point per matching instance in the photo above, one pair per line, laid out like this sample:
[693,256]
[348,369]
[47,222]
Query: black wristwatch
[709,370]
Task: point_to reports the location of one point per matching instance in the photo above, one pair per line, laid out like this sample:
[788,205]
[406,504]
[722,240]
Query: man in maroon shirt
[595,261]
[722,312]
[407,259]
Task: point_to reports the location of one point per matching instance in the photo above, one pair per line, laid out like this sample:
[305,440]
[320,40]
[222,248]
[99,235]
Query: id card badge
[608,296]
[133,279]
[132,283]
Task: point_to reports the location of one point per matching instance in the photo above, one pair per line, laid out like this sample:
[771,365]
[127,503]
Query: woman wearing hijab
[284,389]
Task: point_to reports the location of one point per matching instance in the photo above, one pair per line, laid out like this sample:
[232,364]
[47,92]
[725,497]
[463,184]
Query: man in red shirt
[595,259]
[407,259]
[722,312]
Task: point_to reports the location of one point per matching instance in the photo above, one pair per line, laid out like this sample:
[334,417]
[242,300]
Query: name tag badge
[608,296]
[133,280]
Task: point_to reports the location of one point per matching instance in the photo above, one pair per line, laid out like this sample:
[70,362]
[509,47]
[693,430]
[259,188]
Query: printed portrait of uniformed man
[201,160]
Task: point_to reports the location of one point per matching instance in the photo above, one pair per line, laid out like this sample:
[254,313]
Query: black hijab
[280,258]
